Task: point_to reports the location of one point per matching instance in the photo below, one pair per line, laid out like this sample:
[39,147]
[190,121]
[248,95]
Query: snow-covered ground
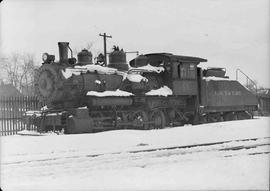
[226,155]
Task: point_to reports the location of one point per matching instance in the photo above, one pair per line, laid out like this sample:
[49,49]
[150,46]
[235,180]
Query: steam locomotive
[155,90]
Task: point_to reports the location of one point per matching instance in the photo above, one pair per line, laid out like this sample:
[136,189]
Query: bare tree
[18,70]
[10,66]
[27,76]
[89,46]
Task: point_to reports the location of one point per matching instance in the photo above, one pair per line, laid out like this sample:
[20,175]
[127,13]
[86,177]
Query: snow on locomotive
[152,91]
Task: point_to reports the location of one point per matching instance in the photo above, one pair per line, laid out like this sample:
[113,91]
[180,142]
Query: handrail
[248,78]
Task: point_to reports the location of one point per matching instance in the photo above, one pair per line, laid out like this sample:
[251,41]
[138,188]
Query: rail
[248,79]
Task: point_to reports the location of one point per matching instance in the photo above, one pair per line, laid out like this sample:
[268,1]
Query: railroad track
[239,144]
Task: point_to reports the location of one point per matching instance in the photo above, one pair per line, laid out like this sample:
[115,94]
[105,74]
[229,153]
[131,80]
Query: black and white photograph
[134,95]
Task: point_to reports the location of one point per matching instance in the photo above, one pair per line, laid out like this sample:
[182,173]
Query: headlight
[45,57]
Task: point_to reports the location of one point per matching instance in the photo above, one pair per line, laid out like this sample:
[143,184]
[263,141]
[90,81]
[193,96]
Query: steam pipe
[70,52]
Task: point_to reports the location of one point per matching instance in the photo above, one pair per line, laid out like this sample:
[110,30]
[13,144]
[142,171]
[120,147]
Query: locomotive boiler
[67,81]
[151,91]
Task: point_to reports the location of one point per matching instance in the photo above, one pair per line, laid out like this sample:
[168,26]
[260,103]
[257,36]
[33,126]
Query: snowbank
[122,140]
[88,162]
[35,133]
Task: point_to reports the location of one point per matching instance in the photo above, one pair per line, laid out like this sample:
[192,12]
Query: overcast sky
[229,33]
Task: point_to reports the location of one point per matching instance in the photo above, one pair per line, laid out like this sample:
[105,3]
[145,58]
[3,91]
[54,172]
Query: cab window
[186,71]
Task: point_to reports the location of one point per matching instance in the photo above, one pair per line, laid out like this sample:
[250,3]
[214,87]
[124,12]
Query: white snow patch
[38,113]
[77,70]
[97,68]
[84,107]
[33,113]
[98,82]
[150,68]
[213,78]
[35,133]
[163,91]
[68,72]
[132,74]
[109,93]
[44,108]
[133,77]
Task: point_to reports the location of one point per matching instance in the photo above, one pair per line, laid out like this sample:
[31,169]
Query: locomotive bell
[118,59]
[84,57]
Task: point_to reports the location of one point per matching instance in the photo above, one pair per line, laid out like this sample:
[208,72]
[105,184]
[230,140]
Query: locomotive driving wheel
[97,117]
[229,116]
[157,119]
[139,119]
[214,117]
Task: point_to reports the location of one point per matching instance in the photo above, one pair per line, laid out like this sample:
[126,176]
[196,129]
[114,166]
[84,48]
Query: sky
[228,33]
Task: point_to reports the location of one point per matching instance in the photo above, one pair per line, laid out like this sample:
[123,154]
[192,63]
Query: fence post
[12,110]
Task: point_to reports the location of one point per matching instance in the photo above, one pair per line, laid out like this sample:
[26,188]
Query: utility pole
[105,49]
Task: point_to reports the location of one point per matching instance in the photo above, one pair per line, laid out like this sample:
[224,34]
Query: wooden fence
[12,110]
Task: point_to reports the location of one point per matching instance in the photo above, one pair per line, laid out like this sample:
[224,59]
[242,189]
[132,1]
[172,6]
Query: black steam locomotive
[153,91]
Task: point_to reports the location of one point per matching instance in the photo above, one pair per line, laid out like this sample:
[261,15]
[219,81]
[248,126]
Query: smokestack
[63,52]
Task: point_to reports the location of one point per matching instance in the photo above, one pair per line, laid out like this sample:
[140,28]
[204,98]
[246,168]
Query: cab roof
[157,58]
[173,57]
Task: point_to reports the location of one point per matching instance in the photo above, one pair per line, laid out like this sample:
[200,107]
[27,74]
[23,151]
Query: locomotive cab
[180,71]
